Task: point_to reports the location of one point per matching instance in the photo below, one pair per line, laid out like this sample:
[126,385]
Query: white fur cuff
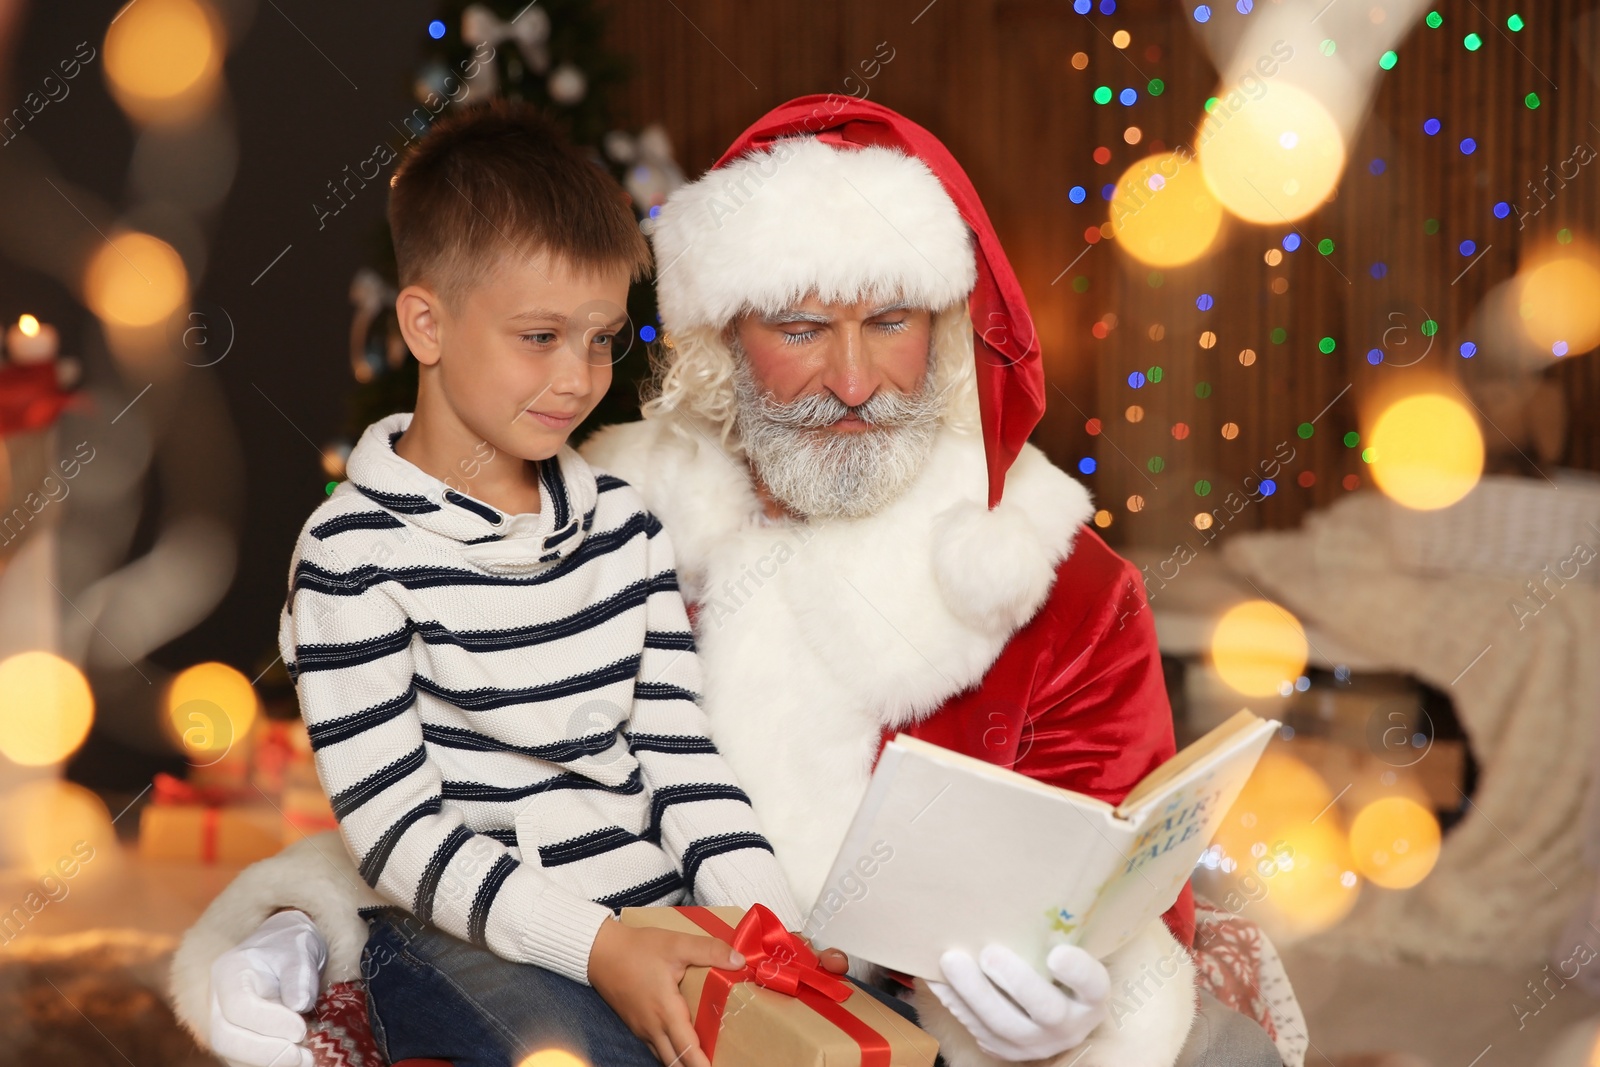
[315,875]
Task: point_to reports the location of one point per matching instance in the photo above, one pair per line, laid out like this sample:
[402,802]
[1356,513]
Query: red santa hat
[845,198]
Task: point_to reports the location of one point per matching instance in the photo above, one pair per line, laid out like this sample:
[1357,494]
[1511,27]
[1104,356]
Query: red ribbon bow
[212,798]
[168,789]
[780,961]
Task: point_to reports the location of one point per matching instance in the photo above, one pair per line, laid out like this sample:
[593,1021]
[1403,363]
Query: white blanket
[1526,687]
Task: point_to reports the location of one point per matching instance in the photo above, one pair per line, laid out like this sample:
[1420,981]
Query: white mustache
[887,408]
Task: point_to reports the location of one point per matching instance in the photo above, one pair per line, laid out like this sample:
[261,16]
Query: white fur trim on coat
[1151,1009]
[314,875]
[804,217]
[992,565]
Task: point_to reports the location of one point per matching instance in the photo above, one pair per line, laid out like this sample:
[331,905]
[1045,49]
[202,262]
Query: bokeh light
[46,708]
[209,706]
[163,59]
[554,1057]
[1394,842]
[55,826]
[1162,213]
[1286,842]
[1426,451]
[1556,302]
[1257,646]
[1274,158]
[135,280]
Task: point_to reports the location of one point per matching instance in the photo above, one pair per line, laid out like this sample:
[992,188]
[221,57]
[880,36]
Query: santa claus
[838,445]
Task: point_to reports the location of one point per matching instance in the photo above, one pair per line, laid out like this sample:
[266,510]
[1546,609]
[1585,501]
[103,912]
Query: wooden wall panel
[993,78]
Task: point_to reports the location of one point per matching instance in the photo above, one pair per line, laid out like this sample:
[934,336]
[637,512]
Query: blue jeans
[433,995]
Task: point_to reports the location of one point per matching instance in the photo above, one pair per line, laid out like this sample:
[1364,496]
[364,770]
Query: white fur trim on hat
[802,218]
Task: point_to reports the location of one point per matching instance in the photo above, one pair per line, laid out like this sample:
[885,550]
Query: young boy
[490,649]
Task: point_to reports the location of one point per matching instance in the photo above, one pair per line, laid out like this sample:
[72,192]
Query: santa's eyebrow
[794,315]
[901,305]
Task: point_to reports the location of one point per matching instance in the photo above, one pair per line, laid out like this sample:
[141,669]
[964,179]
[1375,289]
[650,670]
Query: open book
[947,851]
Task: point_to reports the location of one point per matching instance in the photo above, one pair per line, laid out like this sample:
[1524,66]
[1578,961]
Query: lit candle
[31,341]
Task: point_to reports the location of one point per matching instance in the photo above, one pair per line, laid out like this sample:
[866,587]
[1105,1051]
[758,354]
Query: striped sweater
[504,711]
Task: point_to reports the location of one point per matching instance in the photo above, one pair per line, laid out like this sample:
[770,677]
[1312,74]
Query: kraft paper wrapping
[765,1028]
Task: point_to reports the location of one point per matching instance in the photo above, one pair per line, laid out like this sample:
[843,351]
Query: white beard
[824,474]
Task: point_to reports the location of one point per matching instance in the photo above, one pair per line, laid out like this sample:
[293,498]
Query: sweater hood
[491,538]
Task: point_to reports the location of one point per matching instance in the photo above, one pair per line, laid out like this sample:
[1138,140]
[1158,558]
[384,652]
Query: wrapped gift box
[781,1010]
[200,833]
[189,824]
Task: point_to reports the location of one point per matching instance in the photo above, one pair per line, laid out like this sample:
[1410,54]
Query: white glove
[259,987]
[1013,1011]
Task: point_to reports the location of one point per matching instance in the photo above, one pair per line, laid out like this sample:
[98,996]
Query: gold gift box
[765,1028]
[197,833]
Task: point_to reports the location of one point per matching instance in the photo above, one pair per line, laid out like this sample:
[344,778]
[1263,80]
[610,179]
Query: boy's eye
[540,337]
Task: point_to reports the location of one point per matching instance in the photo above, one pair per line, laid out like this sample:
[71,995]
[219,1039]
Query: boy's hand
[833,960]
[637,970]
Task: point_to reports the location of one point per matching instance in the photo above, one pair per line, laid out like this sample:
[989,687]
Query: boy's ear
[419,310]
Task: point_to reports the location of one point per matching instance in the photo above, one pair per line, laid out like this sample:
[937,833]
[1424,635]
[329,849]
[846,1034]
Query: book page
[947,851]
[939,857]
[1228,731]
[1172,828]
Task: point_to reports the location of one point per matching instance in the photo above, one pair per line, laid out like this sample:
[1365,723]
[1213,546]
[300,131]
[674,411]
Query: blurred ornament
[33,396]
[530,30]
[370,347]
[434,80]
[46,708]
[334,456]
[652,172]
[69,373]
[31,341]
[567,85]
[619,146]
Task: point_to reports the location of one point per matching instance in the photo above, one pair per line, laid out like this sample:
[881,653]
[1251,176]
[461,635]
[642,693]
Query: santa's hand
[259,987]
[1016,1013]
